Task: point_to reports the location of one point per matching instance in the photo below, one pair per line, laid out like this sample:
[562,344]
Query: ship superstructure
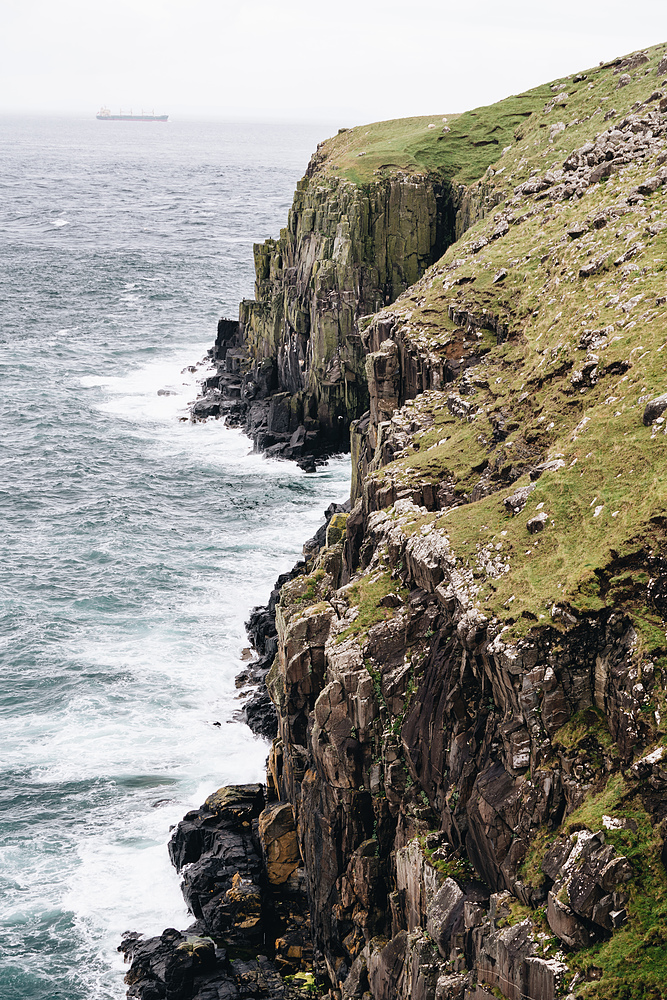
[105,115]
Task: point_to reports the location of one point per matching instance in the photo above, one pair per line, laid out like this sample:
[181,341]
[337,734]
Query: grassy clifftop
[556,308]
[460,147]
[457,147]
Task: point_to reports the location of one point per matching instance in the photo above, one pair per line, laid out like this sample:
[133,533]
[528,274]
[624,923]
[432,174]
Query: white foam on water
[160,725]
[124,880]
[146,728]
[135,396]
[150,740]
[135,561]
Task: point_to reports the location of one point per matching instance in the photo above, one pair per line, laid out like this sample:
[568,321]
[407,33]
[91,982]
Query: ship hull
[132,118]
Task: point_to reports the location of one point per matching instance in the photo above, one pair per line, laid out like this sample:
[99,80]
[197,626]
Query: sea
[133,542]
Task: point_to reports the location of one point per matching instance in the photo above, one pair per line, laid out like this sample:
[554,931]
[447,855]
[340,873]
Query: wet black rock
[260,715]
[217,850]
[166,966]
[230,808]
[207,406]
[187,966]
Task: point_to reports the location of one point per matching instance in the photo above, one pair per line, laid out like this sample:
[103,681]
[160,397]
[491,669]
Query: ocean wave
[136,542]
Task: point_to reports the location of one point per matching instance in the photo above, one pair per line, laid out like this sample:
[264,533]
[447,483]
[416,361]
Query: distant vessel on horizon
[104,115]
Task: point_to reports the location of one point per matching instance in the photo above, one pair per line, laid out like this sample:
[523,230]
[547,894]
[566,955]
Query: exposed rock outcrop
[292,372]
[467,784]
[251,927]
[258,710]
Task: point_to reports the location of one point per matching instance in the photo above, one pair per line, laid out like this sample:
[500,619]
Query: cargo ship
[104,115]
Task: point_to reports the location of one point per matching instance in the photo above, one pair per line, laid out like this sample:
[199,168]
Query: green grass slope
[460,147]
[551,311]
[581,356]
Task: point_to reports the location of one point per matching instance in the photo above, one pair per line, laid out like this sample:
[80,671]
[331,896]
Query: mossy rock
[336,529]
[237,801]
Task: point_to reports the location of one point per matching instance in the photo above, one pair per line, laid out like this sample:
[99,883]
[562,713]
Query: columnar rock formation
[292,372]
[468,788]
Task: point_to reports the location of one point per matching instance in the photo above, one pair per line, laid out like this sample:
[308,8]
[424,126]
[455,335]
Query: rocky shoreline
[466,794]
[259,712]
[242,876]
[238,857]
[248,398]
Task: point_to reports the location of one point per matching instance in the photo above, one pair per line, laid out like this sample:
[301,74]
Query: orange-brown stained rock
[278,835]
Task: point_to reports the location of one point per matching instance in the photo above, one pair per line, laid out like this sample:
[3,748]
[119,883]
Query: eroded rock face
[421,755]
[416,759]
[176,966]
[168,965]
[588,894]
[278,835]
[292,371]
[217,851]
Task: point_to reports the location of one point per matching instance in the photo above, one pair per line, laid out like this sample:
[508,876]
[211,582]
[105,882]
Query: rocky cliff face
[469,682]
[470,674]
[292,372]
[346,252]
[297,359]
[430,764]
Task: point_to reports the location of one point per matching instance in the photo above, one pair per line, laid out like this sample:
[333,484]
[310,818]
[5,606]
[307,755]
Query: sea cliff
[362,229]
[467,793]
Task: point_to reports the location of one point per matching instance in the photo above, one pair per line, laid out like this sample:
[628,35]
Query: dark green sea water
[132,544]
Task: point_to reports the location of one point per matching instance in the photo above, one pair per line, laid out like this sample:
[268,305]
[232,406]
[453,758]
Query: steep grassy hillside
[453,147]
[575,283]
[460,147]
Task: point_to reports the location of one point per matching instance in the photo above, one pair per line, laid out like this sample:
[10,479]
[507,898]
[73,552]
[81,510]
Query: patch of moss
[311,591]
[495,991]
[530,870]
[457,867]
[589,723]
[632,963]
[305,981]
[590,814]
[519,912]
[302,591]
[452,448]
[366,594]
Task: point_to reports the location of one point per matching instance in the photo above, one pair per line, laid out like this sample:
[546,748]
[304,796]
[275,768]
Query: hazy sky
[347,60]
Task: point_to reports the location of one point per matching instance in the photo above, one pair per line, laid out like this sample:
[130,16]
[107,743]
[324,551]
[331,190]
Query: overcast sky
[347,60]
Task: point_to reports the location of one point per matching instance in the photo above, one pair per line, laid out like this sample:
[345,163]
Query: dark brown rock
[385,966]
[655,408]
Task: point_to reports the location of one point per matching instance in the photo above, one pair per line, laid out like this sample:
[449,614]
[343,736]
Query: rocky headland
[466,795]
